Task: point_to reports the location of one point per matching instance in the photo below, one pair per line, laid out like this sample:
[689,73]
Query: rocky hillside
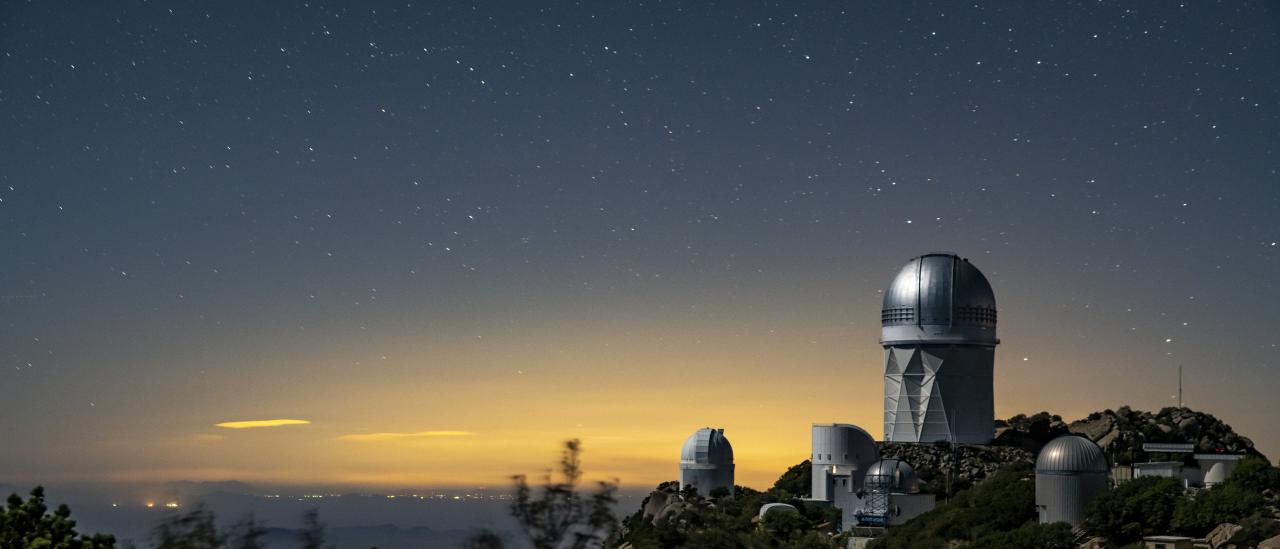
[1121,432]
[671,518]
[963,466]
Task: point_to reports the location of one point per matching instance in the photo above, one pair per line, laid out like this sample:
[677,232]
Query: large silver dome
[706,446]
[939,298]
[1071,454]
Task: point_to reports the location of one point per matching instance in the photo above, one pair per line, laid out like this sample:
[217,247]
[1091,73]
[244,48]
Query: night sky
[449,236]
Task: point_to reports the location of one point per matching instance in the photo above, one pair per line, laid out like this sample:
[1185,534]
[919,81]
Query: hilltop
[962,474]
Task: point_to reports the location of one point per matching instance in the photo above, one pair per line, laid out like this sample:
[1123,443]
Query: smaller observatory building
[849,474]
[841,455]
[892,494]
[706,462]
[1070,471]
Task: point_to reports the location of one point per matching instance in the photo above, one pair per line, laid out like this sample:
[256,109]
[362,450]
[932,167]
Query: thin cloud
[371,437]
[254,424]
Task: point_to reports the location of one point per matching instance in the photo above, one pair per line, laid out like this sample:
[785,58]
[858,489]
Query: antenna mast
[1180,405]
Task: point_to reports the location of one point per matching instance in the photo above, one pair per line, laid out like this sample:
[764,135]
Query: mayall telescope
[938,329]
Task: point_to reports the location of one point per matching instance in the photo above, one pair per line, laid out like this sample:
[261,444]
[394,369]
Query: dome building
[938,329]
[841,454]
[1070,471]
[706,462]
[891,495]
[891,476]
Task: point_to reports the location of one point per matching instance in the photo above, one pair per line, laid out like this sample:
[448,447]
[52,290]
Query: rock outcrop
[1220,537]
[967,464]
[1122,432]
[1270,543]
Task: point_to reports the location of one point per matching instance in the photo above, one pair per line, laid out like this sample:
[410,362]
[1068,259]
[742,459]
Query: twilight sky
[449,236]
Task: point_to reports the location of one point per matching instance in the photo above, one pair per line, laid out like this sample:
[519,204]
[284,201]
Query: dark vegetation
[558,516]
[673,518]
[29,523]
[999,512]
[1154,506]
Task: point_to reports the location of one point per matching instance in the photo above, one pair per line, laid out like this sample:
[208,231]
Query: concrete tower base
[939,392]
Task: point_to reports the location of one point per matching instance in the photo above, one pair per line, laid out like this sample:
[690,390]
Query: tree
[484,539]
[247,534]
[560,516]
[28,524]
[982,514]
[312,536]
[797,480]
[1141,507]
[196,529]
[1255,474]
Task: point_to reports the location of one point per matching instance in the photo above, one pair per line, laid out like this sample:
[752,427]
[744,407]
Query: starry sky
[442,237]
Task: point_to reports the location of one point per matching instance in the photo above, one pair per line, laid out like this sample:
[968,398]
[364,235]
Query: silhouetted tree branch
[559,517]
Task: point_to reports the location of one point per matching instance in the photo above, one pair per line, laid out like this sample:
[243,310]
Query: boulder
[1097,542]
[1221,536]
[656,502]
[1270,543]
[1095,429]
[1107,439]
[672,510]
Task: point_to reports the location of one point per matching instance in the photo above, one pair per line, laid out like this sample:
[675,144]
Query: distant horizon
[501,486]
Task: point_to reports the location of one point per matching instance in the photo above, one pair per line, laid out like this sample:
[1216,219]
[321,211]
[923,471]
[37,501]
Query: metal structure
[840,450]
[706,461]
[1070,471]
[1168,447]
[883,479]
[939,336]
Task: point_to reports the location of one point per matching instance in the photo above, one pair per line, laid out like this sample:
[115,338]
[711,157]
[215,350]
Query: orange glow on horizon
[395,436]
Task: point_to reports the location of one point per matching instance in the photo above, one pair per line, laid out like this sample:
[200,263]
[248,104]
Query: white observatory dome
[707,446]
[706,462]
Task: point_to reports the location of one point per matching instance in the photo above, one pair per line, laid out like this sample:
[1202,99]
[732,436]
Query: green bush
[1141,507]
[1003,504]
[1031,535]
